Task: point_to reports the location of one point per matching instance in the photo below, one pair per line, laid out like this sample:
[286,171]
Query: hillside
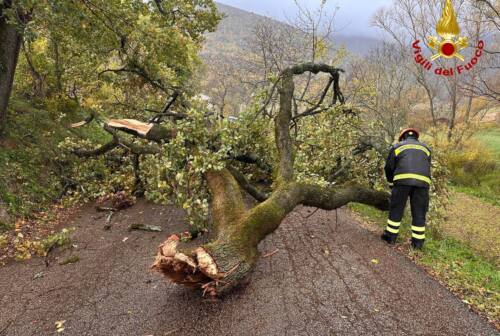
[236,30]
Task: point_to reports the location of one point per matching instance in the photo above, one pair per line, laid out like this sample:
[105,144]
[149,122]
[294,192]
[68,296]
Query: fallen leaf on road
[326,252]
[70,260]
[60,326]
[38,275]
[375,261]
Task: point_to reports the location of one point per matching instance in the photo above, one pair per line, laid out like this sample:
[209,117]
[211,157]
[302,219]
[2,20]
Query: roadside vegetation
[475,167]
[35,179]
[32,173]
[468,274]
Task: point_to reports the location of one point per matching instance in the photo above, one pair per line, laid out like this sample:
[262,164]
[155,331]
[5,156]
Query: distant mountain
[227,72]
[236,30]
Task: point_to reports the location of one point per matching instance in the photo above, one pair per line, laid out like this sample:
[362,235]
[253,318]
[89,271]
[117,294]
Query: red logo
[448,45]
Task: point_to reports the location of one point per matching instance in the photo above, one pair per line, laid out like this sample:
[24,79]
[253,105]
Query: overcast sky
[353,18]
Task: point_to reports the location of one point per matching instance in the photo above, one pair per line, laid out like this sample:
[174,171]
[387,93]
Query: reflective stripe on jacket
[409,163]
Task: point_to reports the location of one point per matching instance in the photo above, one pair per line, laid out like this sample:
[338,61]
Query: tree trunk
[237,231]
[454,106]
[223,263]
[10,42]
[57,65]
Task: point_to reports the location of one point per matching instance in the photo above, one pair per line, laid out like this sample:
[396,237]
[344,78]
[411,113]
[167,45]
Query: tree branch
[284,117]
[221,264]
[247,186]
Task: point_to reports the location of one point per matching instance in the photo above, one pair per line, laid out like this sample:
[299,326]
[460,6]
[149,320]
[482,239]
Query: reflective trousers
[419,200]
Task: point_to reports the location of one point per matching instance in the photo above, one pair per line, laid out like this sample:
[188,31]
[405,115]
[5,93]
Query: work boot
[389,238]
[417,244]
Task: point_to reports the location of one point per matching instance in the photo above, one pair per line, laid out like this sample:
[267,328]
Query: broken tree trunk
[225,261]
[147,131]
[228,259]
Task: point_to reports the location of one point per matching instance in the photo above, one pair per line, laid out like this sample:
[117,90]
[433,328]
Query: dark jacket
[409,163]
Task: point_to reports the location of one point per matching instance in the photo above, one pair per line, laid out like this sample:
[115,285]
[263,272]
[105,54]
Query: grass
[471,221]
[471,276]
[490,137]
[483,193]
[483,183]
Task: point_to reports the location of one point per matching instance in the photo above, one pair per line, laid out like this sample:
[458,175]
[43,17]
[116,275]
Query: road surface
[329,276]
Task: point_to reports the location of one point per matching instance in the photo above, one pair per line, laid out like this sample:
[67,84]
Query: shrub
[472,166]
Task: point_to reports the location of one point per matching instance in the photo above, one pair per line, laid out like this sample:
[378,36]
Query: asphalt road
[321,281]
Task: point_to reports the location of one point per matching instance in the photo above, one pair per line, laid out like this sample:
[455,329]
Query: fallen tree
[236,229]
[222,263]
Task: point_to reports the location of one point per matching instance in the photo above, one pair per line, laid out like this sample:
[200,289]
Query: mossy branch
[223,263]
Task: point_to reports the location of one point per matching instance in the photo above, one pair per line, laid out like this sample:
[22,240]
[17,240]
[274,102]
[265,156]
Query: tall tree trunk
[10,43]
[454,106]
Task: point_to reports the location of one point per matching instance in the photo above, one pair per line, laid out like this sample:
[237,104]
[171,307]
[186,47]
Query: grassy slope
[472,277]
[475,223]
[29,180]
[491,138]
[488,190]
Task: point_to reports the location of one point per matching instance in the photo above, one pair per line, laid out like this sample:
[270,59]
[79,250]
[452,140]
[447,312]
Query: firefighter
[408,171]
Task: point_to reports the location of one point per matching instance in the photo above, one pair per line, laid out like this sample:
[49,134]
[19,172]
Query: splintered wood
[131,124]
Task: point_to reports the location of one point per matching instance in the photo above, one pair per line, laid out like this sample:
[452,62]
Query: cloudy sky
[353,18]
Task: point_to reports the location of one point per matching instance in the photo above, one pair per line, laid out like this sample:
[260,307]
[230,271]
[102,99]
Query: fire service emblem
[447,27]
[448,45]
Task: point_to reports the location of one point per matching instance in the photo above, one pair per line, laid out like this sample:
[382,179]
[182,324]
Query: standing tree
[411,20]
[486,83]
[381,90]
[99,52]
[12,21]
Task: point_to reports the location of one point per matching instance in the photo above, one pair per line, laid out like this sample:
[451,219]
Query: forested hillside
[237,29]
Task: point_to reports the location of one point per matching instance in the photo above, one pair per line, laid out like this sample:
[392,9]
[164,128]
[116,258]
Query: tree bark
[237,231]
[221,264]
[10,43]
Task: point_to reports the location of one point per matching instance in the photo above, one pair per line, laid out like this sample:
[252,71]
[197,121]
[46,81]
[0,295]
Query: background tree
[486,83]
[12,22]
[80,49]
[412,20]
[379,87]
